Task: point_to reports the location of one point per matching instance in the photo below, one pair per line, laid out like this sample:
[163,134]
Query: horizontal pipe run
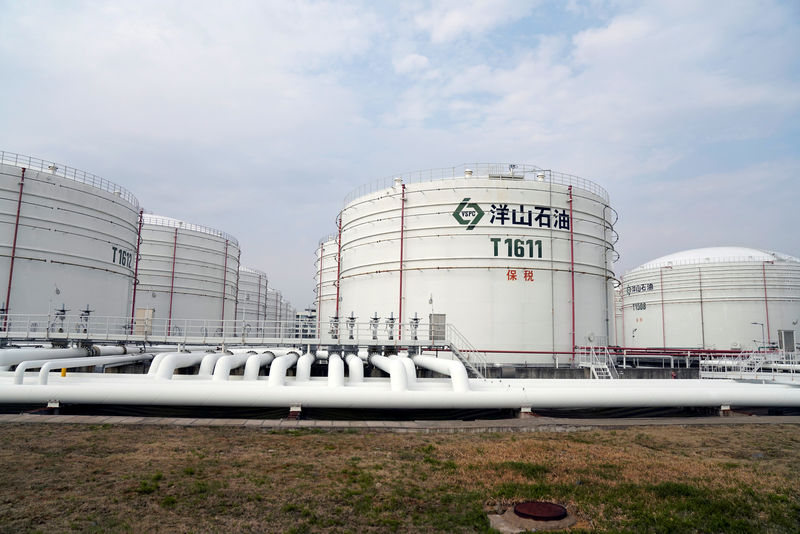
[491,394]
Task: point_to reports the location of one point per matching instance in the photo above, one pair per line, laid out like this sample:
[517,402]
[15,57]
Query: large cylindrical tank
[325,287]
[186,272]
[72,236]
[252,299]
[512,255]
[712,298]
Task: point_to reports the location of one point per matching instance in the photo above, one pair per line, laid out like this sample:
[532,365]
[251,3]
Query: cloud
[452,19]
[410,63]
[258,117]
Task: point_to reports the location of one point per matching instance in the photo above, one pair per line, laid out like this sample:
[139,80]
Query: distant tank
[186,272]
[725,298]
[325,287]
[252,300]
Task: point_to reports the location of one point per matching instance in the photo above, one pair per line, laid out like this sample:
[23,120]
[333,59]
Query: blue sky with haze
[257,118]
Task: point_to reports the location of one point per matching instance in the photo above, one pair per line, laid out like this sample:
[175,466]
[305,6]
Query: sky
[258,117]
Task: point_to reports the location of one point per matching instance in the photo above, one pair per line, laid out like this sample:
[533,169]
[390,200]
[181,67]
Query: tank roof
[162,220]
[70,173]
[519,171]
[716,255]
[250,270]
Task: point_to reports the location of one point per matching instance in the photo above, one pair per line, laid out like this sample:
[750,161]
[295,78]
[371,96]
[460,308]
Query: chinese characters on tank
[535,217]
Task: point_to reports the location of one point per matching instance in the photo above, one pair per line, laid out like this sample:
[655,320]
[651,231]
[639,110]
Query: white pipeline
[452,368]
[394,368]
[278,368]
[70,363]
[355,368]
[490,394]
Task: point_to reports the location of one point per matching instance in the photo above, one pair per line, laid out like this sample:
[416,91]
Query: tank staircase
[474,360]
[599,361]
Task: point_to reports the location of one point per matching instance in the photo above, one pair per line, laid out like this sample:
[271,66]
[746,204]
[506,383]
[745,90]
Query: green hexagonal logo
[468,214]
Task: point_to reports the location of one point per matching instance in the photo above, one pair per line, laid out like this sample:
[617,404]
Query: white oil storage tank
[252,300]
[187,272]
[724,298]
[68,242]
[325,287]
[517,258]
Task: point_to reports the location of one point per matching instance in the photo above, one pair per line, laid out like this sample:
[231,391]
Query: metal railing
[161,220]
[464,348]
[58,169]
[779,366]
[599,361]
[80,328]
[479,170]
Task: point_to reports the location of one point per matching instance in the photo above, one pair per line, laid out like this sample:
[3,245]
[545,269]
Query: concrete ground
[522,424]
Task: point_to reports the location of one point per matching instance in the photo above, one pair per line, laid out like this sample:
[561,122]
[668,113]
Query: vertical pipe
[661,287]
[339,265]
[13,251]
[136,268]
[319,288]
[172,282]
[622,311]
[766,302]
[572,268]
[224,281]
[402,227]
[702,316]
[236,302]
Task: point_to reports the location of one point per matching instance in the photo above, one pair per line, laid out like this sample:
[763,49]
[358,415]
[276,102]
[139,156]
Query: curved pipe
[335,370]
[44,372]
[304,367]
[176,360]
[277,371]
[156,363]
[355,368]
[452,368]
[411,371]
[86,361]
[208,362]
[395,368]
[254,364]
[228,362]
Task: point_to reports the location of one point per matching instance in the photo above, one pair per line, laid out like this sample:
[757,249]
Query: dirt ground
[89,478]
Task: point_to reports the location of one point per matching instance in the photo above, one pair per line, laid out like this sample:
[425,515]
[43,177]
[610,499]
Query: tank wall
[200,272]
[326,272]
[503,280]
[76,245]
[710,306]
[252,296]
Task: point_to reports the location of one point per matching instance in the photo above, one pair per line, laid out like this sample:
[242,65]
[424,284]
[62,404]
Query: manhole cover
[540,511]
